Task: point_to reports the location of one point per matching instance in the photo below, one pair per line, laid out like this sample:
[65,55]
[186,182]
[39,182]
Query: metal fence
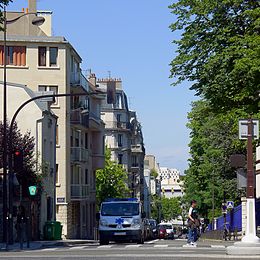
[233,220]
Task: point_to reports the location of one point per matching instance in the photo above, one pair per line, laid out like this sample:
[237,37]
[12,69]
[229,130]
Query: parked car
[162,234]
[153,227]
[168,228]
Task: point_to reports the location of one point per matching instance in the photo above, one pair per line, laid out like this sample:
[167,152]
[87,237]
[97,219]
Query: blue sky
[131,39]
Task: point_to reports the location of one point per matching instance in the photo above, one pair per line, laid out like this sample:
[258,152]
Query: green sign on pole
[32,190]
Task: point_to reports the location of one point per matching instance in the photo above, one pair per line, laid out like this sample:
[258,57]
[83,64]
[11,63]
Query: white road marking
[50,249]
[218,246]
[161,246]
[132,246]
[105,246]
[77,247]
[152,241]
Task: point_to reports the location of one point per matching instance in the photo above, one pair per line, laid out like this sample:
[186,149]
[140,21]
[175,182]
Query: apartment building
[123,134]
[43,62]
[171,184]
[40,121]
[152,183]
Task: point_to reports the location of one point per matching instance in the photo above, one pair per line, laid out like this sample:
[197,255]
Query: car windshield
[120,209]
[152,223]
[166,226]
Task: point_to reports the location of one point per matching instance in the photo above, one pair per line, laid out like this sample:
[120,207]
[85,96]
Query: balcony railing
[137,148]
[77,117]
[79,191]
[79,154]
[117,125]
[78,79]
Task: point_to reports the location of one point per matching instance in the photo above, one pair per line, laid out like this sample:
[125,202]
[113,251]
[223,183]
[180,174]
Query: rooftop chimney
[32,6]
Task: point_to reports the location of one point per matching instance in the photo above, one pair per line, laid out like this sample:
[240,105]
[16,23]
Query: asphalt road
[152,250]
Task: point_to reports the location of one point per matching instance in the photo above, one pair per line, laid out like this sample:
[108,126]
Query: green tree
[154,173]
[214,137]
[111,182]
[171,208]
[26,143]
[219,51]
[2,3]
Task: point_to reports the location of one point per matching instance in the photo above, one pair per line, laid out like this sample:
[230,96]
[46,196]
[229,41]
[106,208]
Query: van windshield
[120,209]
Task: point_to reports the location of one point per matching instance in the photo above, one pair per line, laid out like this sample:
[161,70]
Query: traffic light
[18,160]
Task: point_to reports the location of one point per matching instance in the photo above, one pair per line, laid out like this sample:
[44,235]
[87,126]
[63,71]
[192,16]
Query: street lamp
[7,214]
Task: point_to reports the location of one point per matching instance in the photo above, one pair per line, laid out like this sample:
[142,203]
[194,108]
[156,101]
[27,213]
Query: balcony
[79,191]
[78,154]
[135,167]
[137,148]
[95,121]
[79,117]
[78,79]
[117,125]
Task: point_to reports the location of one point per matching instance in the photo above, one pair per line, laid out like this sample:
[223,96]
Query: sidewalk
[35,245]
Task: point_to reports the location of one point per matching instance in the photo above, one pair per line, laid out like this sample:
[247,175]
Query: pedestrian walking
[193,224]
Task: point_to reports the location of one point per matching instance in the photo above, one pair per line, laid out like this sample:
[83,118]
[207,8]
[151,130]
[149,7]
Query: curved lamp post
[7,214]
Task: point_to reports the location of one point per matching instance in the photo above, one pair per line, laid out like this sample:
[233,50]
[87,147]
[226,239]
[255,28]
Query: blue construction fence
[234,219]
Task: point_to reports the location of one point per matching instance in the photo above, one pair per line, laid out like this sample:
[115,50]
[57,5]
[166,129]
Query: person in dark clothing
[20,224]
[193,224]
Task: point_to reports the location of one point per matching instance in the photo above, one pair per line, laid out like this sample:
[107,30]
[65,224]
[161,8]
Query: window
[57,134]
[118,117]
[76,139]
[16,55]
[86,140]
[57,174]
[42,56]
[54,89]
[75,175]
[120,140]
[53,56]
[86,176]
[120,159]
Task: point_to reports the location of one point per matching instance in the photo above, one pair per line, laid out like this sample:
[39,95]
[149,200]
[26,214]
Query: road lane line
[217,246]
[161,246]
[132,246]
[104,246]
[152,241]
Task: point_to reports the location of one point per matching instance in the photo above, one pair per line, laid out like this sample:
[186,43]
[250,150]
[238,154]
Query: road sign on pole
[230,204]
[243,129]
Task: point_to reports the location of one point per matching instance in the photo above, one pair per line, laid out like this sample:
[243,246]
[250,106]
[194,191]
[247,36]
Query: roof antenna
[109,74]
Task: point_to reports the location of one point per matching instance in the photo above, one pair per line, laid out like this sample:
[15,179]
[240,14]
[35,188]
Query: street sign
[230,204]
[243,127]
[224,208]
[32,190]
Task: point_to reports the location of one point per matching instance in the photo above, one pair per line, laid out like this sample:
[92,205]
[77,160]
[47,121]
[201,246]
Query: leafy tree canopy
[25,143]
[2,3]
[214,137]
[219,51]
[111,182]
[171,208]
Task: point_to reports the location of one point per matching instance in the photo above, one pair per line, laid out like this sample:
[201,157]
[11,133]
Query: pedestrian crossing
[130,247]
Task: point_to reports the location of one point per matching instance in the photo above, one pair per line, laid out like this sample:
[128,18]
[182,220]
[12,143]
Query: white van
[121,219]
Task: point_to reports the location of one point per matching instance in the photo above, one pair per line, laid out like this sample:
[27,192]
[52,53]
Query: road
[152,250]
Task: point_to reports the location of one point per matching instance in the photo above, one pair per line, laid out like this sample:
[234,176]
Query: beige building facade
[46,63]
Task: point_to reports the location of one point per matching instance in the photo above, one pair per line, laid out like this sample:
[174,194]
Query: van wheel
[103,242]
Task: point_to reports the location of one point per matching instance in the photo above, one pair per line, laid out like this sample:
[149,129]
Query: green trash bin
[52,230]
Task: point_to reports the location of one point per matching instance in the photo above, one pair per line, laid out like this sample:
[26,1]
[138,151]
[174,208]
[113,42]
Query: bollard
[28,232]
[20,226]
